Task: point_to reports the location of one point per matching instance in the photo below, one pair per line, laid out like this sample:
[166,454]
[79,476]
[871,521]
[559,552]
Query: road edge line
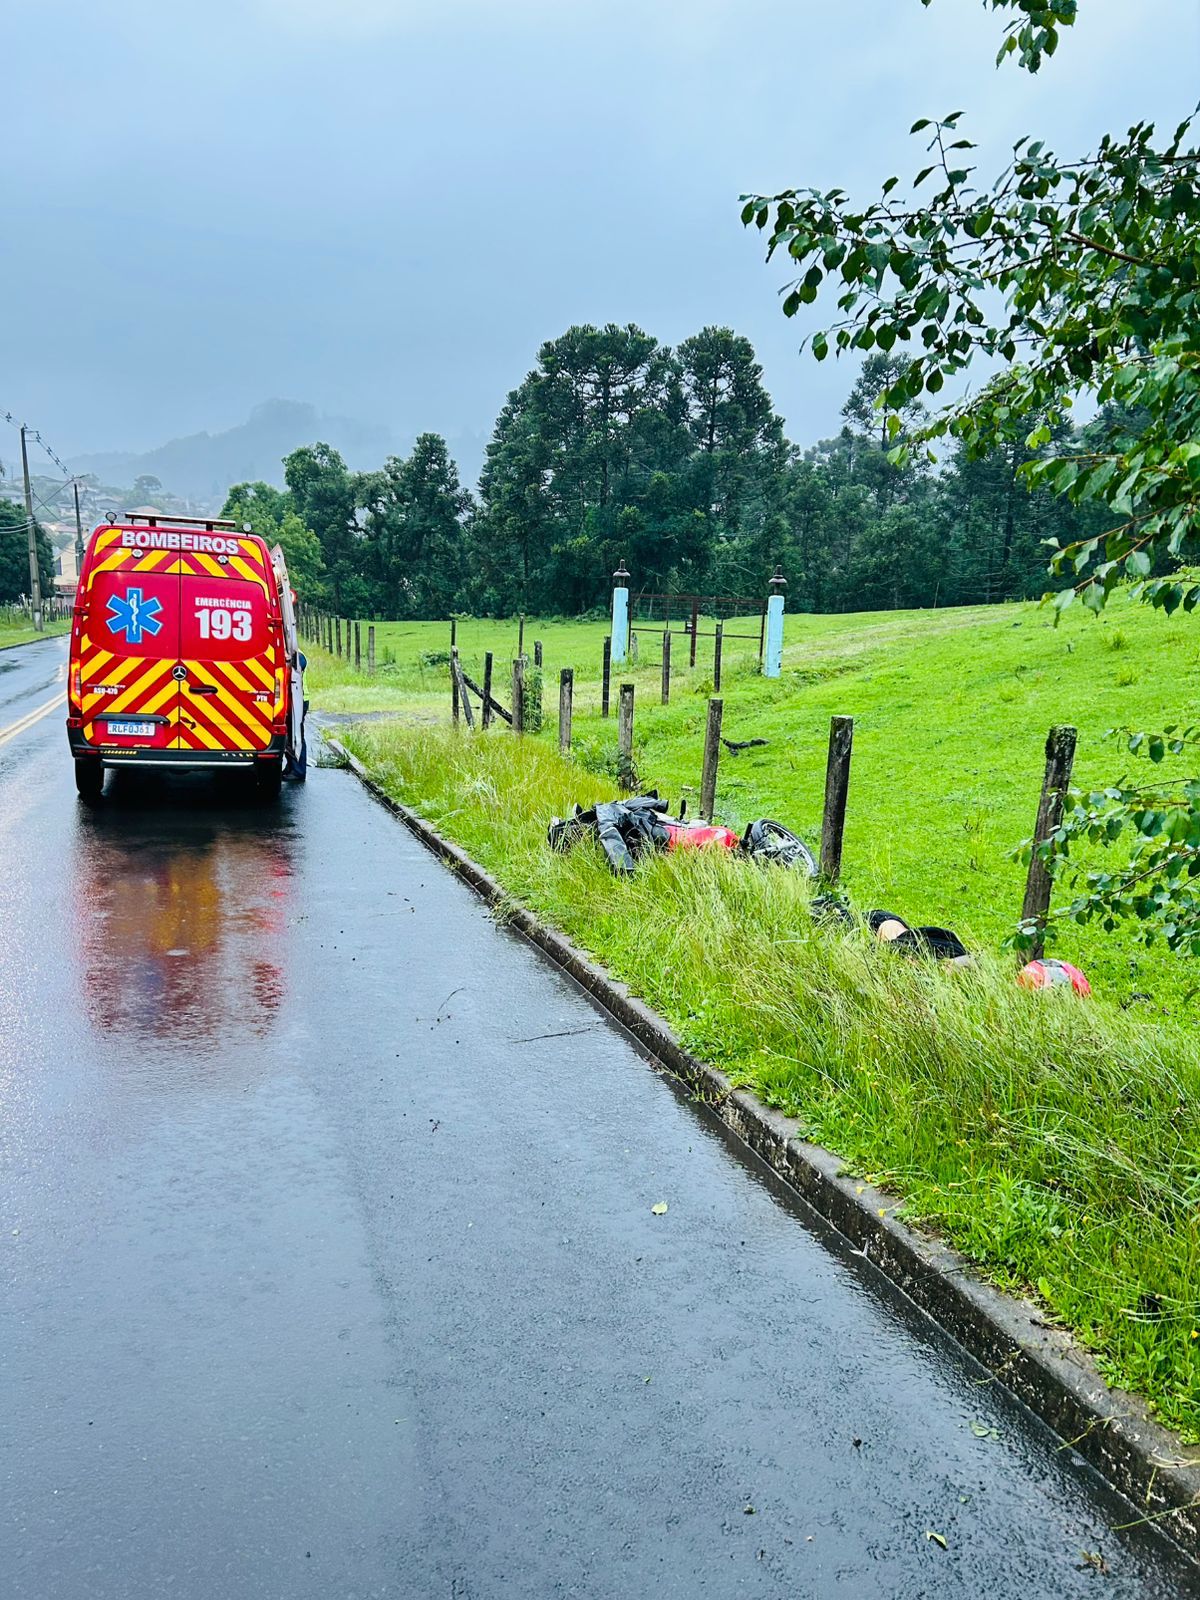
[1044,1367]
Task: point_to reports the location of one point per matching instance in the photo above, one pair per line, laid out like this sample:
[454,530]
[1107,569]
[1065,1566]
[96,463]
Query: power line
[33,433]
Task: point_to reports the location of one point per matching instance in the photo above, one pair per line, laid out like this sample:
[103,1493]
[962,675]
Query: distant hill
[202,466]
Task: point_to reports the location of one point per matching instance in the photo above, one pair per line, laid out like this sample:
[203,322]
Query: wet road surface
[329,1267]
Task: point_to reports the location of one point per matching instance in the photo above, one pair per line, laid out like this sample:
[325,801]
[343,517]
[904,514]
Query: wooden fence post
[606,675]
[666,668]
[487,690]
[1060,758]
[717,641]
[837,786]
[712,750]
[358,647]
[625,737]
[537,652]
[371,647]
[338,637]
[518,693]
[521,637]
[464,698]
[566,689]
[695,630]
[454,687]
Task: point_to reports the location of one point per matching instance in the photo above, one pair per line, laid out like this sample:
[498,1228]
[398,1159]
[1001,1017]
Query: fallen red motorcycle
[627,829]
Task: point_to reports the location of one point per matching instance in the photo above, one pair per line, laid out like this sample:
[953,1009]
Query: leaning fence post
[487,689]
[837,786]
[463,696]
[712,749]
[518,693]
[566,688]
[625,737]
[606,676]
[371,647]
[717,657]
[666,670]
[1060,757]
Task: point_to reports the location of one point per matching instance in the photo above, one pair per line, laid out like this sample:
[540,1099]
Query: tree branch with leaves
[1081,277]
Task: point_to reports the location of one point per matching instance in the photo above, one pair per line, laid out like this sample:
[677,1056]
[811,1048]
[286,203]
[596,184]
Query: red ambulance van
[184,653]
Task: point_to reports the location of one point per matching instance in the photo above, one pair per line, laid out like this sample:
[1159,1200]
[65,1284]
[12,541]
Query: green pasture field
[951,712]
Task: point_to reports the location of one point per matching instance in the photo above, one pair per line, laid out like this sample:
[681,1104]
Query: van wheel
[268,779]
[89,777]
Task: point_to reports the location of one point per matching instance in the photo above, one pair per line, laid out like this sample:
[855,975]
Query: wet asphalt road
[329,1267]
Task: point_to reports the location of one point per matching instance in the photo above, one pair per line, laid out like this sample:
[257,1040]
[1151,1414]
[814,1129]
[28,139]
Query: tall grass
[1055,1141]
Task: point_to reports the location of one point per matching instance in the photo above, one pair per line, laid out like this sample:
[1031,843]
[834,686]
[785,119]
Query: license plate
[131,730]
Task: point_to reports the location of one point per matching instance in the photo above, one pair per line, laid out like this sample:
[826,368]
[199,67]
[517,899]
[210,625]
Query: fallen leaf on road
[660,1210]
[984,1430]
[937,1538]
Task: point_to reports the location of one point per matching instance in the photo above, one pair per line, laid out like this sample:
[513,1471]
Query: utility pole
[35,578]
[78,533]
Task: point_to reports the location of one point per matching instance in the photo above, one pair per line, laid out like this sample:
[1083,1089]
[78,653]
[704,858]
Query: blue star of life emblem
[133,615]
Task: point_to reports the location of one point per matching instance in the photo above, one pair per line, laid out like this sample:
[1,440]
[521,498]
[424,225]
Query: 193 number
[216,622]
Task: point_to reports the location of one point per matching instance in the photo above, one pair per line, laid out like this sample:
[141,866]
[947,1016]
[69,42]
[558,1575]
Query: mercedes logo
[179,673]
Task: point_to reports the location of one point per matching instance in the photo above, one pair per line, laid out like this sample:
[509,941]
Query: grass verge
[25,633]
[1055,1142]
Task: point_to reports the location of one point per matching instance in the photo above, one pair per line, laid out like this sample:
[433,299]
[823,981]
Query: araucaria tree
[1082,276]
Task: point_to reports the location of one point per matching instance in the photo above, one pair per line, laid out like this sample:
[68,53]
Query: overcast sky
[383,206]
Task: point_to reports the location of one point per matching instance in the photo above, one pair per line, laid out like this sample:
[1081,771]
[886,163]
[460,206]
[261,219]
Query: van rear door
[129,696]
[229,651]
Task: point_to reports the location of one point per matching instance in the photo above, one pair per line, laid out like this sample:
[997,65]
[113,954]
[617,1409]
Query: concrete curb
[1042,1366]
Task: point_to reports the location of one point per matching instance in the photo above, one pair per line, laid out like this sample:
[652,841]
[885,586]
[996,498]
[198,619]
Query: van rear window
[223,621]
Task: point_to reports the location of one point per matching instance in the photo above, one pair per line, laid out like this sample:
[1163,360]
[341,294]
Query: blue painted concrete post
[620,614]
[773,660]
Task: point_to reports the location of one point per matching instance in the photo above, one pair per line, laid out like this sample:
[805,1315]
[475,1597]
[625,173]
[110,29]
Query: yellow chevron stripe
[265,675]
[233,736]
[228,702]
[251,574]
[146,681]
[169,691]
[210,564]
[90,665]
[198,731]
[151,559]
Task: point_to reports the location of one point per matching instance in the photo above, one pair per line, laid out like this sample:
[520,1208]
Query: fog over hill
[201,466]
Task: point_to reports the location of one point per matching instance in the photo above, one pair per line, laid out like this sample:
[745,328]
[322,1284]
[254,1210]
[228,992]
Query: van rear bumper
[130,756]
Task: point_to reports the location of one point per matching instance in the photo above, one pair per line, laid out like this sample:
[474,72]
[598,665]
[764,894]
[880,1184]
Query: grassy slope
[951,711]
[22,633]
[1053,1140]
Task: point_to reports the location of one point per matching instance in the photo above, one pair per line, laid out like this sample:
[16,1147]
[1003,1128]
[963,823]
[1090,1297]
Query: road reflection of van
[184,653]
[183,925]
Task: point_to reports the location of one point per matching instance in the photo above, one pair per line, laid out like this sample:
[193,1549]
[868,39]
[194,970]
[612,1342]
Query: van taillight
[77,683]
